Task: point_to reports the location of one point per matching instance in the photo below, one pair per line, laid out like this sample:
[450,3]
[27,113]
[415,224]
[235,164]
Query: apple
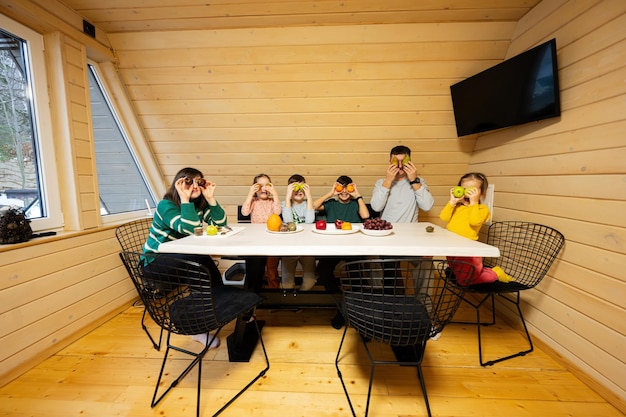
[338,224]
[320,225]
[211,230]
[458,191]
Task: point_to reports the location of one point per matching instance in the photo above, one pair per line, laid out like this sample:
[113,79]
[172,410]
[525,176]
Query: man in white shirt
[402,192]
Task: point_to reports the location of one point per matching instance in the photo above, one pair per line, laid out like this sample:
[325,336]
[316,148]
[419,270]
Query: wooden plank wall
[319,101]
[570,173]
[52,293]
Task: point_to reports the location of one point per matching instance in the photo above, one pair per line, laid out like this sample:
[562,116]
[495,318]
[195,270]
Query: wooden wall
[319,101]
[570,173]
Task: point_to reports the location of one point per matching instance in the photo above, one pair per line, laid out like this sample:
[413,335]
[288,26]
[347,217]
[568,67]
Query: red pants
[481,274]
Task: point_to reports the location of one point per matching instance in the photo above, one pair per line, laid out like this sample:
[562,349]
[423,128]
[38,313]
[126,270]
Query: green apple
[211,230]
[458,191]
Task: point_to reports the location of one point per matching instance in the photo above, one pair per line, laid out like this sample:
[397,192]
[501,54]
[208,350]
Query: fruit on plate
[274,223]
[346,226]
[458,191]
[430,229]
[406,160]
[350,188]
[291,227]
[377,224]
[339,188]
[211,230]
[320,225]
[338,224]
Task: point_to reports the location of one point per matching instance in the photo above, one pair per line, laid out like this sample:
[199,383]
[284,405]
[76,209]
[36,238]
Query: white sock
[203,337]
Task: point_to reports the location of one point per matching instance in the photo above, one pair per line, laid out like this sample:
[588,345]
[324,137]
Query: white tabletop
[407,239]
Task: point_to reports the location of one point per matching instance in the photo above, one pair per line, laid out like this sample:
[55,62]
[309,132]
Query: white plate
[377,232]
[222,232]
[332,230]
[298,229]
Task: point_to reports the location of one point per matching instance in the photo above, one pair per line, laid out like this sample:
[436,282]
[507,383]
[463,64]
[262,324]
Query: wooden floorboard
[112,372]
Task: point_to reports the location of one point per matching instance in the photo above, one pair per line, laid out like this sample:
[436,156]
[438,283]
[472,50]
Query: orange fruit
[350,188]
[274,222]
[346,226]
[339,188]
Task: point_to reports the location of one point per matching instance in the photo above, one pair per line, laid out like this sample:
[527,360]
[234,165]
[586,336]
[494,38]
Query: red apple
[320,225]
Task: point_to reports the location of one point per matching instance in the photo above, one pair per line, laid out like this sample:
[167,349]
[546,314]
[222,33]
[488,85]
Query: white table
[253,241]
[407,239]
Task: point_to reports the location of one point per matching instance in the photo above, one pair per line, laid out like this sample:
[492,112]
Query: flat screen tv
[521,89]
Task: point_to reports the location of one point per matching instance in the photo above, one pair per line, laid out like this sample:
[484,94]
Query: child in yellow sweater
[465,216]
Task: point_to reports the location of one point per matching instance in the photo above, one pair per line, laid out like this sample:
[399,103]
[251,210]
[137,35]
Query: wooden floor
[111,372]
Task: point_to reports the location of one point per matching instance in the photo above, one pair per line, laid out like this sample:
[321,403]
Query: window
[122,186]
[28,176]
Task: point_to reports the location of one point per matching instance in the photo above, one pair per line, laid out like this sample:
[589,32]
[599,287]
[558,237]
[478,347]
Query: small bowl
[370,232]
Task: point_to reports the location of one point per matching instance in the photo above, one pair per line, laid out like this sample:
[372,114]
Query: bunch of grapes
[377,224]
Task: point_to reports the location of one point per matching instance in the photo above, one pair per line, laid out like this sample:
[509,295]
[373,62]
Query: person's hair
[477,176]
[172,194]
[257,176]
[344,180]
[295,178]
[400,150]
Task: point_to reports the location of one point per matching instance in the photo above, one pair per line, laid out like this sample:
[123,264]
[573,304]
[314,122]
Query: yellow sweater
[465,220]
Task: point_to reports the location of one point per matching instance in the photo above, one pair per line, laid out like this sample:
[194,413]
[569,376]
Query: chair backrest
[240,217]
[527,250]
[133,235]
[400,302]
[177,293]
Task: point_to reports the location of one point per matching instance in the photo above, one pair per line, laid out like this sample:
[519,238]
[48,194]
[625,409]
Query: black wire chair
[193,306]
[131,237]
[527,251]
[398,302]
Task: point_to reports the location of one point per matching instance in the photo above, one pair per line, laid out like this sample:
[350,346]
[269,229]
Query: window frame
[117,99]
[42,125]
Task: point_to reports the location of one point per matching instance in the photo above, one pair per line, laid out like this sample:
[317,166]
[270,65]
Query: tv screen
[522,89]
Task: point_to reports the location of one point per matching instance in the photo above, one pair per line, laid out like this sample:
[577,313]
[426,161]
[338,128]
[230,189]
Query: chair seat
[498,287]
[189,314]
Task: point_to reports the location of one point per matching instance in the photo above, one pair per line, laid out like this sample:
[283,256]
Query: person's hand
[392,171]
[473,194]
[336,186]
[184,190]
[269,188]
[254,188]
[208,191]
[410,171]
[307,191]
[355,192]
[454,200]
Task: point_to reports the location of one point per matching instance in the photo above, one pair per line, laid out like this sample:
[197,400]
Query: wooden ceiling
[113,16]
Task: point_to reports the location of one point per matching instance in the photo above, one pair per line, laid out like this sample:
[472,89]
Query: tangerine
[274,223]
[339,188]
[350,188]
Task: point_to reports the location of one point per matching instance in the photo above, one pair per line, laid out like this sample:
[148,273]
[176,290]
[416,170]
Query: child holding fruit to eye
[189,201]
[263,201]
[298,208]
[465,216]
[343,202]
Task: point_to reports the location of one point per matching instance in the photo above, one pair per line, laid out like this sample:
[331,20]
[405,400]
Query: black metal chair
[398,302]
[131,237]
[194,306]
[527,251]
